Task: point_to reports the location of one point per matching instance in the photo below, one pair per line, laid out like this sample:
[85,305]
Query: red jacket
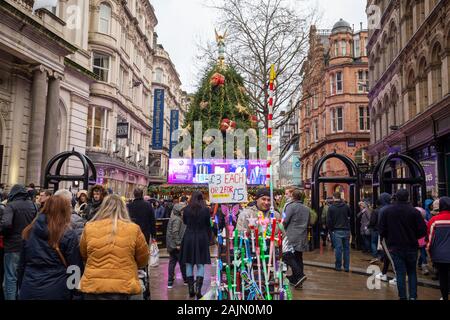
[1,242]
[439,237]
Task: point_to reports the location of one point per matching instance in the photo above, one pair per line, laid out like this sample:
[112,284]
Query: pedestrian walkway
[324,283]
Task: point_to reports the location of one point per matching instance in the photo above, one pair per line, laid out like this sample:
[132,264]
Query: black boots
[190,281]
[198,288]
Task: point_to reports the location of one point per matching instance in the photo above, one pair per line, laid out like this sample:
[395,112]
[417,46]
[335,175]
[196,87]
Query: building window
[332,85]
[101,66]
[104,18]
[337,119]
[308,107]
[363,81]
[159,75]
[324,124]
[343,48]
[339,85]
[364,119]
[360,156]
[97,130]
[308,139]
[336,49]
[357,48]
[316,130]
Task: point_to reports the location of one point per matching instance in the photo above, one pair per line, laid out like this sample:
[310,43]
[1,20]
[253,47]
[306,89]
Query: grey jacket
[250,212]
[296,224]
[365,221]
[175,228]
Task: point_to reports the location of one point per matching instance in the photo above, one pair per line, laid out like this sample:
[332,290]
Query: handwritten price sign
[227,188]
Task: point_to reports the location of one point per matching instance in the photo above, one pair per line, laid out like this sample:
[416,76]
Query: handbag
[154,255]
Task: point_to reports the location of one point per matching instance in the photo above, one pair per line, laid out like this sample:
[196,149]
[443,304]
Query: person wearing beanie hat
[262,204]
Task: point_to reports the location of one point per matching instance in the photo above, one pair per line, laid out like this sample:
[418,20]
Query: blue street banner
[158,120]
[174,119]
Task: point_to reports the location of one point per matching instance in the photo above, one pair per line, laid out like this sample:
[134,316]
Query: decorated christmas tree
[221,101]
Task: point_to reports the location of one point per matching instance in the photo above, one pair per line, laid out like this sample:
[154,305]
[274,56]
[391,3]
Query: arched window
[408,19]
[436,72]
[423,84]
[104,20]
[159,75]
[420,12]
[411,87]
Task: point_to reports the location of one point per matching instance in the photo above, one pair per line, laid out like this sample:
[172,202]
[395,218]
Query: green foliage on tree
[213,103]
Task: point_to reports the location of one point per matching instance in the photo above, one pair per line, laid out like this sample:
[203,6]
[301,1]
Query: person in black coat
[195,245]
[96,196]
[19,213]
[50,247]
[141,212]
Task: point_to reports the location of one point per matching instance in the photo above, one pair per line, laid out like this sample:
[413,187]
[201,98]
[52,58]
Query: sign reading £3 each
[227,188]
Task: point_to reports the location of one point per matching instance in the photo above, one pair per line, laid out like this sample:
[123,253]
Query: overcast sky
[182,24]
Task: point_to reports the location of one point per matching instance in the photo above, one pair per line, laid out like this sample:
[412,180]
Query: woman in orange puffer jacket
[114,248]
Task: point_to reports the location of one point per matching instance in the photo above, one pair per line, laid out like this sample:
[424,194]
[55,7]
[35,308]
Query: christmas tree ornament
[241,109]
[204,105]
[217,79]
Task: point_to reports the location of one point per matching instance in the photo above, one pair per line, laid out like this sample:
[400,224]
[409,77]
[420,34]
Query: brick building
[334,107]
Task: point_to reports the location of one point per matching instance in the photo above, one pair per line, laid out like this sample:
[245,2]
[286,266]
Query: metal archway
[88,178]
[416,180]
[354,182]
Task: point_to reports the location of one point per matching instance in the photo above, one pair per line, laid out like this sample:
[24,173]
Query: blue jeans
[405,264]
[423,256]
[11,261]
[341,242]
[374,243]
[190,270]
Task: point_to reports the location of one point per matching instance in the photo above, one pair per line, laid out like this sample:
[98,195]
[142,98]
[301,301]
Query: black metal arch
[416,179]
[353,180]
[88,167]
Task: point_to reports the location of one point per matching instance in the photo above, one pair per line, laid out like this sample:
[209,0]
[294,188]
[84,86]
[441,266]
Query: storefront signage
[122,130]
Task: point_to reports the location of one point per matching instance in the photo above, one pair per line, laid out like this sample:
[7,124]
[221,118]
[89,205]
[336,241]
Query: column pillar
[51,142]
[38,112]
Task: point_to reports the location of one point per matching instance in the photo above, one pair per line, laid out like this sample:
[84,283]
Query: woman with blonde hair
[114,248]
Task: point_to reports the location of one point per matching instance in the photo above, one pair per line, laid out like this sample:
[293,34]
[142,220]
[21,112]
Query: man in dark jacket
[338,223]
[141,212]
[19,213]
[96,196]
[402,226]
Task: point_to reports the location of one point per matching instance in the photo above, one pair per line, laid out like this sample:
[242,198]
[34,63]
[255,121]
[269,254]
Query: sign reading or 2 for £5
[227,188]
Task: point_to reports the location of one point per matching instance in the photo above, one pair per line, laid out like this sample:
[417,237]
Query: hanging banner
[158,120]
[227,188]
[174,119]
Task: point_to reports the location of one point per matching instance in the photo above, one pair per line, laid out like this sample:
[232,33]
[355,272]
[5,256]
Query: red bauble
[217,79]
[227,125]
[254,119]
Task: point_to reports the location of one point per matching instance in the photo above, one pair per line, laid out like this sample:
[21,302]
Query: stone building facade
[44,88]
[80,76]
[334,107]
[409,50]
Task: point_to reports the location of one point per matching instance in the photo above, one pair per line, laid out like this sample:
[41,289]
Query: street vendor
[250,214]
